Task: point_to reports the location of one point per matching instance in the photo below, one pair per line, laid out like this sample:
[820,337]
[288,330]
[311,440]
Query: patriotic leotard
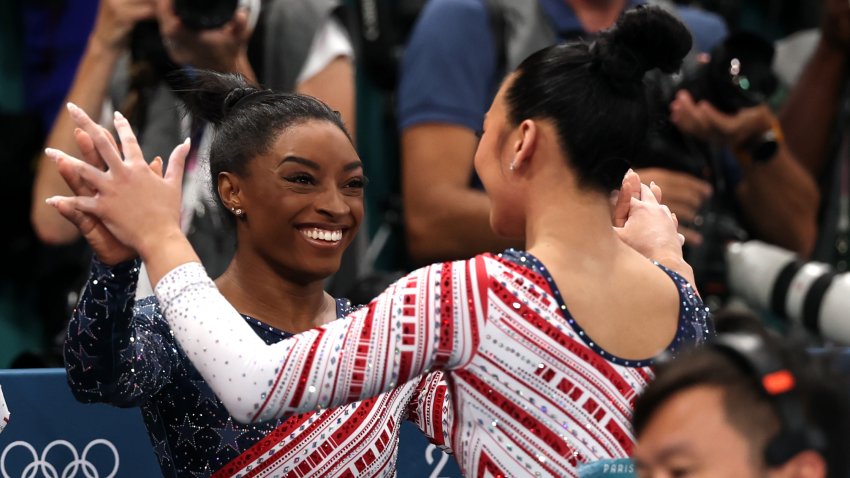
[533,395]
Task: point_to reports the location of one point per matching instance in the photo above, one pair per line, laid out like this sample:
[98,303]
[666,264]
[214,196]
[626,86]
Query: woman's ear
[229,191]
[525,144]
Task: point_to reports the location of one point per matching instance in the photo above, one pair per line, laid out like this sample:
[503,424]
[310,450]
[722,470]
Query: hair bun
[644,38]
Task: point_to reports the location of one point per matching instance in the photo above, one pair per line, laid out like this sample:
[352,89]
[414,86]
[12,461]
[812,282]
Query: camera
[211,14]
[812,294]
[737,75]
[205,14]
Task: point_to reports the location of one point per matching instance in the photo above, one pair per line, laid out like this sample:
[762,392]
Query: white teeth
[322,235]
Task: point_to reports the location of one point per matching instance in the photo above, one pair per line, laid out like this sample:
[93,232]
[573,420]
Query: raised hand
[622,199]
[116,18]
[106,247]
[135,202]
[651,228]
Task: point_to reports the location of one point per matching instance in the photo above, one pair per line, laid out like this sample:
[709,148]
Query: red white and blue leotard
[533,395]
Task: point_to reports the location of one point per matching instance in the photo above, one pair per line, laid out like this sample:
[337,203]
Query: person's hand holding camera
[116,19]
[703,121]
[223,49]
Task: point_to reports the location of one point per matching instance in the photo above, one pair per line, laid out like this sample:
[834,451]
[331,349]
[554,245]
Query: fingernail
[51,153]
[77,131]
[119,116]
[188,140]
[51,201]
[72,108]
[651,183]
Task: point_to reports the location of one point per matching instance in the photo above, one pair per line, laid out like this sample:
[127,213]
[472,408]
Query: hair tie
[238,96]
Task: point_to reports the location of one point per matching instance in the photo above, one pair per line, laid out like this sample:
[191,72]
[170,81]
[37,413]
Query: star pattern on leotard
[186,431]
[205,395]
[229,435]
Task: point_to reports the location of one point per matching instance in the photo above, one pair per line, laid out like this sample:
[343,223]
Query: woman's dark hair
[247,120]
[594,92]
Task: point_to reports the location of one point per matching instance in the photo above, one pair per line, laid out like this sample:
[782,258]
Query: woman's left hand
[138,205]
[651,229]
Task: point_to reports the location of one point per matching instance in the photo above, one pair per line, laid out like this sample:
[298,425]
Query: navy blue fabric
[121,351]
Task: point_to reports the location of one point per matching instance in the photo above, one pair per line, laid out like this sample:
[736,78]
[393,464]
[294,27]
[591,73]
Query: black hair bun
[644,38]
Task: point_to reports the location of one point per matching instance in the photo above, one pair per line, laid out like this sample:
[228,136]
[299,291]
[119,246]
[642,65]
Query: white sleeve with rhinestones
[427,320]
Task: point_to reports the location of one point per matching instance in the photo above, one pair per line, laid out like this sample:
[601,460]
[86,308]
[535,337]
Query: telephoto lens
[807,292]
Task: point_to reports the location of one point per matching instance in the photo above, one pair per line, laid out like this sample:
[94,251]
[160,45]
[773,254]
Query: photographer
[777,198]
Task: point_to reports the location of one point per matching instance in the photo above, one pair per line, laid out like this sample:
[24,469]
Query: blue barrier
[51,435]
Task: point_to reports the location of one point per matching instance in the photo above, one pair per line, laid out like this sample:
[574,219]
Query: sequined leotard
[533,394]
[123,353]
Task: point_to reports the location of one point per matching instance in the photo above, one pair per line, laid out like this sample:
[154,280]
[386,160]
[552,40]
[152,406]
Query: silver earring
[238,212]
[512,166]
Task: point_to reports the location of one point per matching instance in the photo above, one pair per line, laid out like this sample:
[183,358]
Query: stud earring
[512,166]
[238,212]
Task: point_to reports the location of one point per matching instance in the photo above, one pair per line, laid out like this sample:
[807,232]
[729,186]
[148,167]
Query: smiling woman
[286,169]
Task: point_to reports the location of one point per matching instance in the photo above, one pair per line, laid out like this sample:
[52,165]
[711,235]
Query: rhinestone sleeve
[114,351]
[427,320]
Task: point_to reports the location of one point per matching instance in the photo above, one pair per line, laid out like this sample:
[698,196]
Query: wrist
[763,146]
[157,241]
[101,47]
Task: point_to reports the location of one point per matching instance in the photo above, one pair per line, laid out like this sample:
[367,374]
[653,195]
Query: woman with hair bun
[285,169]
[545,349]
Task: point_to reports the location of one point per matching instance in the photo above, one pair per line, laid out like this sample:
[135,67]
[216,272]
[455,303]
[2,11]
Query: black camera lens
[205,14]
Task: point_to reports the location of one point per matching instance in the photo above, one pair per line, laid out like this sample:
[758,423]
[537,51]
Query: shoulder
[453,23]
[708,29]
[695,323]
[452,9]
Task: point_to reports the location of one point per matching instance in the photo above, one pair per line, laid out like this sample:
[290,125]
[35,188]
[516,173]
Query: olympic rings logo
[79,462]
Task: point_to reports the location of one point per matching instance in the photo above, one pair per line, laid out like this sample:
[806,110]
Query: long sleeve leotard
[533,395]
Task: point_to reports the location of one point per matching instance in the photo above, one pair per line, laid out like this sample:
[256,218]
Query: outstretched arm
[428,320]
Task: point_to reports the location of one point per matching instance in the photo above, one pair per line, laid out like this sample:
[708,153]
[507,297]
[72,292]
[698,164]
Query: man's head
[744,407]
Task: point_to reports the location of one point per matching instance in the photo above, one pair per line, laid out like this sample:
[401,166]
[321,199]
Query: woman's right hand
[116,19]
[106,247]
[135,202]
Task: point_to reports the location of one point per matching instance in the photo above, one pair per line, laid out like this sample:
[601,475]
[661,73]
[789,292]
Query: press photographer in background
[811,292]
[721,129]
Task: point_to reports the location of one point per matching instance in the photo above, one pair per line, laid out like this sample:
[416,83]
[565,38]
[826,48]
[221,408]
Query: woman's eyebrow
[352,166]
[300,160]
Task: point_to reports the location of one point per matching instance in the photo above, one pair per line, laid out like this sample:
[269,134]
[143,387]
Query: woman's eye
[301,179]
[357,183]
[680,472]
